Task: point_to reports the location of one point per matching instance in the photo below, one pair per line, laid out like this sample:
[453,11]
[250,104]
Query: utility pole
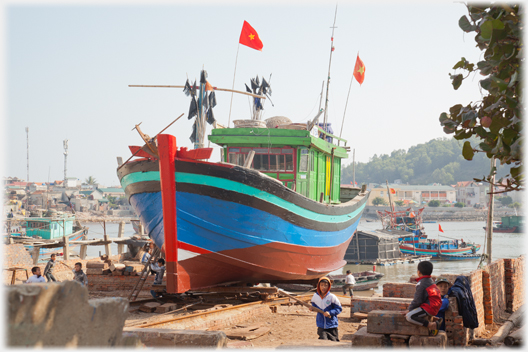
[489,228]
[65,144]
[27,142]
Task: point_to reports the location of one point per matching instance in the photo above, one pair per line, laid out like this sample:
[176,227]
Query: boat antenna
[329,65]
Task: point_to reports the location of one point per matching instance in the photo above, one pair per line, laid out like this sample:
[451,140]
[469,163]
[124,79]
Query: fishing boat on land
[365,280]
[269,211]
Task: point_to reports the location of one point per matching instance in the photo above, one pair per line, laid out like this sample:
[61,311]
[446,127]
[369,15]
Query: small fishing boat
[509,224]
[444,256]
[365,280]
[434,247]
[46,231]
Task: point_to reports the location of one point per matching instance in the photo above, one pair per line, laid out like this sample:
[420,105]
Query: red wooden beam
[177,278]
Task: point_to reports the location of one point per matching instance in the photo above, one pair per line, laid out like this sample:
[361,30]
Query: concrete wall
[60,314]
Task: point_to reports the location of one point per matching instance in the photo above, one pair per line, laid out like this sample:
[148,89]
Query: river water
[504,245]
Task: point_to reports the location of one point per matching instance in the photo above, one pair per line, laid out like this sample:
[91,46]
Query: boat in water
[406,224]
[509,224]
[269,211]
[445,256]
[435,248]
[365,281]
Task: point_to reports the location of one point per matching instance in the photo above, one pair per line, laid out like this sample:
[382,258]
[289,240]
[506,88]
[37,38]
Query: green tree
[90,180]
[459,205]
[379,201]
[496,119]
[515,205]
[434,203]
[399,202]
[507,200]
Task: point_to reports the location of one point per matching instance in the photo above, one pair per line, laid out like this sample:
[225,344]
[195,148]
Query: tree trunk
[515,338]
[514,320]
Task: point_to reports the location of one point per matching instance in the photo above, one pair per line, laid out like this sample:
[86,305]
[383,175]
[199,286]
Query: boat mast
[329,65]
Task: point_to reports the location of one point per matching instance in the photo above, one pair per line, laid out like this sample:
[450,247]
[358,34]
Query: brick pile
[399,290]
[457,334]
[487,302]
[497,288]
[517,283]
[475,282]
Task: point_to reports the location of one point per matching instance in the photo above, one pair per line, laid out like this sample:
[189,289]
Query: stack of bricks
[399,290]
[487,302]
[497,288]
[117,283]
[517,283]
[475,282]
[457,334]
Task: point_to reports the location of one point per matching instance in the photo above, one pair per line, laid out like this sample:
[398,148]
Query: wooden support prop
[249,159]
[35,254]
[307,305]
[66,247]
[121,234]
[514,320]
[177,278]
[108,249]
[82,252]
[515,338]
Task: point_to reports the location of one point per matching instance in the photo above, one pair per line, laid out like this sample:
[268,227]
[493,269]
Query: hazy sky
[67,71]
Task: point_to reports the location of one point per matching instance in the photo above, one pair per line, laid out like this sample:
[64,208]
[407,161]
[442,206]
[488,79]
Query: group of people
[37,277]
[428,307]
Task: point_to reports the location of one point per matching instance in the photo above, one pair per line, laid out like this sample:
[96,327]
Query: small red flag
[393,191]
[359,70]
[411,215]
[440,228]
[249,37]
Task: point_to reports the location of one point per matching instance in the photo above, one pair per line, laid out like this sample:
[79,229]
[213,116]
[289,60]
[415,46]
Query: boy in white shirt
[36,278]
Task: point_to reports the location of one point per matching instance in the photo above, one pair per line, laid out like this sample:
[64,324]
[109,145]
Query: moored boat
[445,256]
[433,248]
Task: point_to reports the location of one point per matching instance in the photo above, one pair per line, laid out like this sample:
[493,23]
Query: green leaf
[467,151]
[460,64]
[449,129]
[484,67]
[515,171]
[486,83]
[457,81]
[465,25]
[443,117]
[486,29]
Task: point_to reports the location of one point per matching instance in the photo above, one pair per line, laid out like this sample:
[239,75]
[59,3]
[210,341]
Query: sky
[67,69]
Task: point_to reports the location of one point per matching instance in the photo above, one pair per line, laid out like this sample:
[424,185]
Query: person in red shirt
[427,300]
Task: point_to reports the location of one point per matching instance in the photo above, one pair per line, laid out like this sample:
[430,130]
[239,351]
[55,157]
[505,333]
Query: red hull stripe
[191,248]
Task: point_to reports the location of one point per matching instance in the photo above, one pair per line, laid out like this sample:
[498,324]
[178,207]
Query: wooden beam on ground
[35,255]
[514,320]
[66,247]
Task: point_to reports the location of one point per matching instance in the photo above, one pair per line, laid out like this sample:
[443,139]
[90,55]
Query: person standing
[36,278]
[350,281]
[327,323]
[48,270]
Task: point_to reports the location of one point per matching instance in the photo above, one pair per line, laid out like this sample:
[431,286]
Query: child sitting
[427,300]
[329,303]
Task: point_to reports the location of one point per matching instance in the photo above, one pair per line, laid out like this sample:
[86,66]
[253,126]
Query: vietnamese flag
[440,228]
[249,37]
[359,70]
[392,191]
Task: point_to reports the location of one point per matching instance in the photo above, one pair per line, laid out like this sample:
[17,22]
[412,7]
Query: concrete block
[438,341]
[167,307]
[314,344]
[149,307]
[179,338]
[393,322]
[362,338]
[63,309]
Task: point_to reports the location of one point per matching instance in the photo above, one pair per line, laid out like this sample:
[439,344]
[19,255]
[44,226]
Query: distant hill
[437,161]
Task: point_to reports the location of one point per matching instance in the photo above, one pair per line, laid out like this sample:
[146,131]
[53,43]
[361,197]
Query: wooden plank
[66,249]
[247,334]
[82,252]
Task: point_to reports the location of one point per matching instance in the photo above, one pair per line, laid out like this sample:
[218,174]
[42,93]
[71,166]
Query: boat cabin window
[265,159]
[303,164]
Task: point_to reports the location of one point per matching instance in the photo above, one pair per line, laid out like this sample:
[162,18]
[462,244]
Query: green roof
[104,200]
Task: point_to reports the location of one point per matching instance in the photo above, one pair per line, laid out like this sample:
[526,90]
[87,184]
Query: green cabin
[300,159]
[512,221]
[50,228]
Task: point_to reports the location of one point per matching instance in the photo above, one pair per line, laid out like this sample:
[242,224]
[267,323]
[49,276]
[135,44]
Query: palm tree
[91,180]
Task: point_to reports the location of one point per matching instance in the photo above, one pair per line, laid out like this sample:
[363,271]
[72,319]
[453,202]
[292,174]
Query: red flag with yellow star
[249,37]
[359,70]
